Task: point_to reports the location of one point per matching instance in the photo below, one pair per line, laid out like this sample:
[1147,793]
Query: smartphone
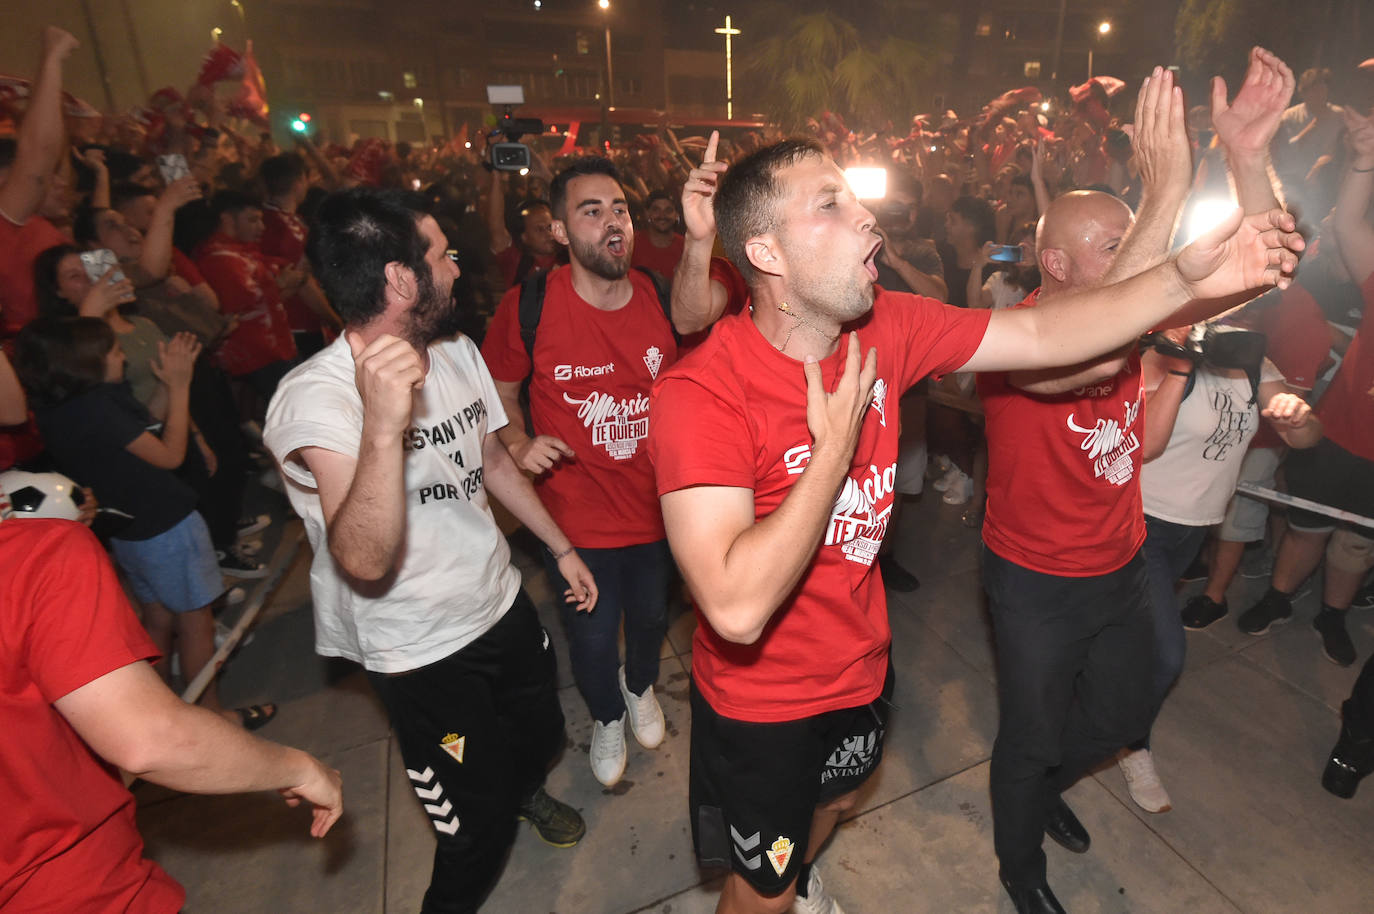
[1005,253]
[173,167]
[98,262]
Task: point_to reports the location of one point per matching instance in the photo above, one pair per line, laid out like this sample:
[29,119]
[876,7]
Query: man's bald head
[1078,237]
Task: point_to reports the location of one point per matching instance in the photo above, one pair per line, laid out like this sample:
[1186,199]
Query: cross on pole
[729,31]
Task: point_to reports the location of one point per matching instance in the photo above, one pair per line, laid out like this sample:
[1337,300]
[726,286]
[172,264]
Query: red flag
[221,62]
[570,139]
[251,101]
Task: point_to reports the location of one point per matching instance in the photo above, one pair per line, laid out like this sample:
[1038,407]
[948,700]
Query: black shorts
[755,786]
[1331,475]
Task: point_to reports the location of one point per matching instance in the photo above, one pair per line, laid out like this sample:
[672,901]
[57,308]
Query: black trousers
[1075,659]
[1358,709]
[216,414]
[477,731]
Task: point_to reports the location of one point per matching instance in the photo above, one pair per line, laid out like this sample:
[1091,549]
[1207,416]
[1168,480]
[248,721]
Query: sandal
[254,717]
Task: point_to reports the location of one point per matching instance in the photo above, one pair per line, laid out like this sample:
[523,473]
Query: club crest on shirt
[653,359]
[454,744]
[880,400]
[780,853]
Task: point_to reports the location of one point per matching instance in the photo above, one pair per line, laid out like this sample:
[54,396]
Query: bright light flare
[1206,214]
[1103,28]
[867,183]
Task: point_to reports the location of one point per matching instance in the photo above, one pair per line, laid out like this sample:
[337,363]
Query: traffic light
[301,122]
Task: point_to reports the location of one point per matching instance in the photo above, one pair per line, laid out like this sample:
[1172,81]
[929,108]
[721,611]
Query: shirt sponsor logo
[568,372]
[1109,444]
[855,756]
[617,425]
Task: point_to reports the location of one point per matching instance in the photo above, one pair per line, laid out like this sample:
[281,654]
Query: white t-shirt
[454,580]
[1003,293]
[1193,480]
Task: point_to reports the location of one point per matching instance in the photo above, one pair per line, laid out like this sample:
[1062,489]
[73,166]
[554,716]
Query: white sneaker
[1143,782]
[960,488]
[816,900]
[646,717]
[607,751]
[947,480]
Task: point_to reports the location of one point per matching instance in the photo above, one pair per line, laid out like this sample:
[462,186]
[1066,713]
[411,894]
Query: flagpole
[99,56]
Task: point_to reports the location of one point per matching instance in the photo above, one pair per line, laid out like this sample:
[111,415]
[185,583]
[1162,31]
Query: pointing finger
[711,145]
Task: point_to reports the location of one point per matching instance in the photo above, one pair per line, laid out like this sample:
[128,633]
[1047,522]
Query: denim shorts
[177,568]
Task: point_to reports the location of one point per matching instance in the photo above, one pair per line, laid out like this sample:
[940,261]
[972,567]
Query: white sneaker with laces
[646,717]
[607,752]
[816,900]
[1138,767]
[960,489]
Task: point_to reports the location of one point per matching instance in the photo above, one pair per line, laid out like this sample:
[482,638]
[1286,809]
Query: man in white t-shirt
[387,443]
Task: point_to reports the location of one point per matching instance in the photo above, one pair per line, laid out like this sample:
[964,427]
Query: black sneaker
[1197,571]
[1336,643]
[247,526]
[1352,758]
[234,564]
[555,822]
[1273,609]
[895,576]
[1201,611]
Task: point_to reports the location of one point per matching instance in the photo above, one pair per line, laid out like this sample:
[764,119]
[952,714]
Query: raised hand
[1240,254]
[581,585]
[176,360]
[1160,139]
[58,43]
[105,295]
[698,193]
[834,419]
[387,372]
[538,454]
[1248,124]
[180,192]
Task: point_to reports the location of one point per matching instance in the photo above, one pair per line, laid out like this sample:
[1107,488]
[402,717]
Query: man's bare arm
[14,408]
[41,133]
[496,214]
[1353,231]
[132,720]
[698,302]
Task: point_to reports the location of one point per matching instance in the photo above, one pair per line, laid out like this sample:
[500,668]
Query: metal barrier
[281,560]
[1292,501]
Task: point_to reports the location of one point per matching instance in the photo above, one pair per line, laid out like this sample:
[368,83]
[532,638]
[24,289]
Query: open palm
[1249,122]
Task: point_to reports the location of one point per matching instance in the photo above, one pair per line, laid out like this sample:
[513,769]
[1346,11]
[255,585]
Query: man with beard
[387,444]
[602,338]
[662,248]
[776,485]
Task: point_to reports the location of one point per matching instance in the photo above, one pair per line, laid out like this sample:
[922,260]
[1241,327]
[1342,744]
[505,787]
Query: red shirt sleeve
[736,290]
[696,438]
[503,349]
[185,267]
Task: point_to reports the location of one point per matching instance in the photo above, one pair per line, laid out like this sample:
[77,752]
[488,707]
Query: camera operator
[906,262]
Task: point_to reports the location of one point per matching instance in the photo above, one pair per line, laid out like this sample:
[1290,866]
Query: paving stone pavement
[1240,745]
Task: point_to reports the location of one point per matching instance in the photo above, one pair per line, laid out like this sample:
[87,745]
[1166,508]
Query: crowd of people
[699,362]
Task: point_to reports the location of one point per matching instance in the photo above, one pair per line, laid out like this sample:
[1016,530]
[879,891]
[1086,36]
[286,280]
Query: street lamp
[610,70]
[729,31]
[1103,28]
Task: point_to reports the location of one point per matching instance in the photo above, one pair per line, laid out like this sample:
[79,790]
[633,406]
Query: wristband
[560,556]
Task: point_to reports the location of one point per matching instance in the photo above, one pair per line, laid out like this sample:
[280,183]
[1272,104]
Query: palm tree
[817,60]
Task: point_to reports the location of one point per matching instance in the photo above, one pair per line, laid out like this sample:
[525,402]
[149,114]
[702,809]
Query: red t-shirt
[1064,473]
[20,246]
[733,413]
[1298,343]
[284,238]
[1347,407]
[508,264]
[662,261]
[590,388]
[185,267]
[68,840]
[246,286]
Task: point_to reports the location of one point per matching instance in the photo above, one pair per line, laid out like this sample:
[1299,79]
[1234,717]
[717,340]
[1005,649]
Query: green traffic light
[298,125]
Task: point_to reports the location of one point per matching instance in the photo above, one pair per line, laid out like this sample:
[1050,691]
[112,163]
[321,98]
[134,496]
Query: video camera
[511,155]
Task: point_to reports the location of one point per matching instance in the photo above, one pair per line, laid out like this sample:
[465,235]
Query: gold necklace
[785,308]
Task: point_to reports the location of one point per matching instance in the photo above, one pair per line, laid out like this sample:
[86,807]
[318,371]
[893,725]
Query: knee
[1350,552]
[744,897]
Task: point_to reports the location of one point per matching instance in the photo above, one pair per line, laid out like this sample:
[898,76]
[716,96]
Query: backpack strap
[665,297]
[532,289]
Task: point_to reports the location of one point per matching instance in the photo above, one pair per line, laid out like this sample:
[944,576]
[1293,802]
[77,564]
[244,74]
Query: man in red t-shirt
[602,340]
[27,179]
[284,235]
[260,349]
[537,249]
[1339,471]
[661,247]
[75,684]
[775,455]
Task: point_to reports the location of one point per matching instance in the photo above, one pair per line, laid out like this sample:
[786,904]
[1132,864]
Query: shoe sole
[1327,654]
[1282,620]
[1204,626]
[558,844]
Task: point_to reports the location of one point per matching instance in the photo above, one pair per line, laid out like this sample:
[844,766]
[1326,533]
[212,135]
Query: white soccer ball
[49,495]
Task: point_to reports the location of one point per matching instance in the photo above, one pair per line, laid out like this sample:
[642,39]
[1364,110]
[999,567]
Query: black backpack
[533,287]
